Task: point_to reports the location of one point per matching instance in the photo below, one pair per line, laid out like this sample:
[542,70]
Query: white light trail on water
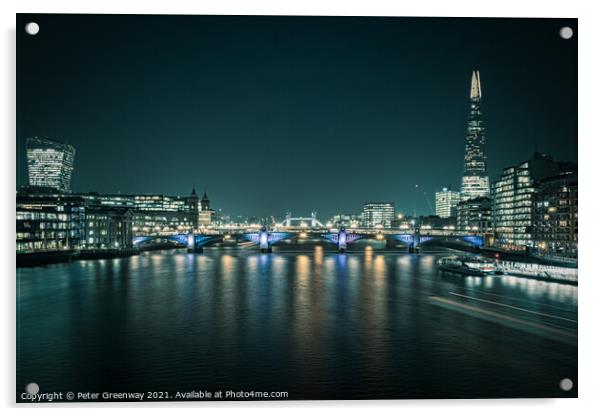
[513,307]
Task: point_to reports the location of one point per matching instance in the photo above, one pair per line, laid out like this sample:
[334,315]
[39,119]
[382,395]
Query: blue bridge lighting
[199,240]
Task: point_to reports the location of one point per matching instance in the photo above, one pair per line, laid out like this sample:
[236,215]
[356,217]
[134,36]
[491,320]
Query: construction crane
[428,201]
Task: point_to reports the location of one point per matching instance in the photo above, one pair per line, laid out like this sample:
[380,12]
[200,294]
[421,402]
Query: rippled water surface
[317,325]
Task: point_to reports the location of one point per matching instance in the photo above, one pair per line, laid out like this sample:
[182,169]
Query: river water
[315,324]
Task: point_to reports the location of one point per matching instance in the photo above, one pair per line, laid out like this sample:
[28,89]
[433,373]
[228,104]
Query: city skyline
[304,208]
[367,119]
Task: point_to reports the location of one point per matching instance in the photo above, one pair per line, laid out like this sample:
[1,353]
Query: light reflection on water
[557,292]
[317,324]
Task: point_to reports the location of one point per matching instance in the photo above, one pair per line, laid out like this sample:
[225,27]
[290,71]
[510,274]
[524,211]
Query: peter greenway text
[155,395]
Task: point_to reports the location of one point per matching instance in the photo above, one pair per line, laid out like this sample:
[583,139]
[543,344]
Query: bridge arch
[198,240]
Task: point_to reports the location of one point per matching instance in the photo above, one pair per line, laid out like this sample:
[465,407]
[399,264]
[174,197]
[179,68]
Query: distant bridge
[301,222]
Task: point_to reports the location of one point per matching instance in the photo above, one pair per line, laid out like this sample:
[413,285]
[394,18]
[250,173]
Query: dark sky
[300,113]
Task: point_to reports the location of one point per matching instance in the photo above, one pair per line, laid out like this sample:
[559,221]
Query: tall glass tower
[49,163]
[475,182]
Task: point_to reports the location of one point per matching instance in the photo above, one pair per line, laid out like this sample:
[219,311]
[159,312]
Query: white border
[590,155]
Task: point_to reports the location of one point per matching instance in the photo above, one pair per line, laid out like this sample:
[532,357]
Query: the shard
[475,181]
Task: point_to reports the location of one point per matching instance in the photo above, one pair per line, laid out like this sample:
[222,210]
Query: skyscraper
[475,182]
[49,163]
[445,202]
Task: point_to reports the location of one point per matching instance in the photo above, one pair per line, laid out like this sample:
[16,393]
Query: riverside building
[153,214]
[514,196]
[555,215]
[474,215]
[59,222]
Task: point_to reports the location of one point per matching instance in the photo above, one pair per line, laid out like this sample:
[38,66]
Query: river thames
[317,324]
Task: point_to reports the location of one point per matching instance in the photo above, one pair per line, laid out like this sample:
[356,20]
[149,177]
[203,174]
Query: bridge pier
[192,246]
[342,241]
[264,241]
[415,245]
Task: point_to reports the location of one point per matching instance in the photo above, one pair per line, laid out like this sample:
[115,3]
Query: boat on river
[469,265]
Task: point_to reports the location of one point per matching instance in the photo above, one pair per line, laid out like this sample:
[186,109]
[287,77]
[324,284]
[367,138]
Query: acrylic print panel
[285,208]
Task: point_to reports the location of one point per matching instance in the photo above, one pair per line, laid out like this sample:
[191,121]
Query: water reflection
[319,255]
[537,289]
[308,323]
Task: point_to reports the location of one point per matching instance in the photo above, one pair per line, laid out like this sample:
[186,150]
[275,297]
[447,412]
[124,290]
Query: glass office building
[513,196]
[49,163]
[49,222]
[154,214]
[445,202]
[378,214]
[555,215]
[474,215]
[475,181]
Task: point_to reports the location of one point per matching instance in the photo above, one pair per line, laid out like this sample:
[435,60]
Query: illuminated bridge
[341,238]
[301,222]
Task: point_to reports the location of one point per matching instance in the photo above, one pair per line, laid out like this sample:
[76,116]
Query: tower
[205,201]
[206,214]
[49,163]
[475,182]
[192,201]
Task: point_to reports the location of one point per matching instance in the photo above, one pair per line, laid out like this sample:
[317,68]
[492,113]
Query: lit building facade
[403,222]
[513,196]
[107,228]
[474,215]
[475,181]
[445,202]
[378,214]
[49,222]
[206,215]
[345,221]
[512,212]
[434,221]
[164,213]
[49,164]
[152,214]
[555,215]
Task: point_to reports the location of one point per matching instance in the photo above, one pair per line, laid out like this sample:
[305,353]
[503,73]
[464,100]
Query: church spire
[205,201]
[475,86]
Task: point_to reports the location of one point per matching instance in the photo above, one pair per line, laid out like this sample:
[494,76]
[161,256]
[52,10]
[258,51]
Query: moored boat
[467,265]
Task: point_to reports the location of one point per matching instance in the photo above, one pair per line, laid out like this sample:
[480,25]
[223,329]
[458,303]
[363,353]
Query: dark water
[317,325]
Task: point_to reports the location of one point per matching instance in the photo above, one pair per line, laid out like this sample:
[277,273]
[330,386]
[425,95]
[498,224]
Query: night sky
[291,113]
